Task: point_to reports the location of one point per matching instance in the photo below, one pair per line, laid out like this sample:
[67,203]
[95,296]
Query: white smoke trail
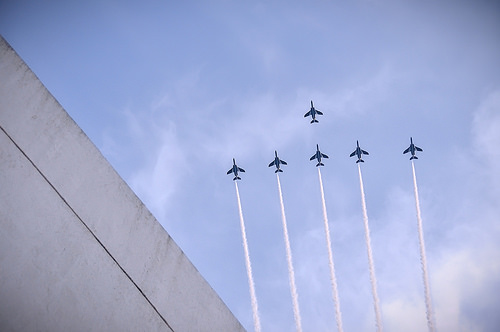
[423,259]
[255,308]
[291,274]
[370,256]
[333,280]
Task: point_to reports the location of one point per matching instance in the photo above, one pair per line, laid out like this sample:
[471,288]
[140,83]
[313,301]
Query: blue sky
[170,92]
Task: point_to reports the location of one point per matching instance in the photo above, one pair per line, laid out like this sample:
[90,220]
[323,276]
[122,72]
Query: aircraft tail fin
[314,120]
[236,178]
[360,160]
[320,164]
[278,170]
[413,157]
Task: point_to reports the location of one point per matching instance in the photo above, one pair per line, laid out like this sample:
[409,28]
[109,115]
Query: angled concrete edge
[111,215]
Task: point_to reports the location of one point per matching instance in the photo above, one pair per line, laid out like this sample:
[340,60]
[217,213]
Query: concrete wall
[78,249]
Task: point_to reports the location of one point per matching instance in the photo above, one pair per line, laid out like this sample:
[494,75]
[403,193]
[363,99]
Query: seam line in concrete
[88,228]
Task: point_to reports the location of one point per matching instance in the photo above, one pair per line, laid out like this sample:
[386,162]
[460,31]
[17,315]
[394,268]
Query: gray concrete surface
[78,249]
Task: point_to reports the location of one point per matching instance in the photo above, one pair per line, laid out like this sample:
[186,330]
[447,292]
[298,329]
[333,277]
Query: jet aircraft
[277,161]
[235,170]
[312,112]
[412,148]
[318,155]
[359,152]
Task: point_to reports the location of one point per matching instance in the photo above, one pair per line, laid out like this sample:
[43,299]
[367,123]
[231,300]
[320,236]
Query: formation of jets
[318,155]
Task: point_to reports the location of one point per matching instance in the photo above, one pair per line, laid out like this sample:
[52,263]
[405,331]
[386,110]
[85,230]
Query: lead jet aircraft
[312,112]
[318,155]
[412,148]
[235,170]
[359,152]
[277,161]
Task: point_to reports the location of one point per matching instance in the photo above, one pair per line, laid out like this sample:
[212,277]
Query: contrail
[291,274]
[255,308]
[423,259]
[335,293]
[370,258]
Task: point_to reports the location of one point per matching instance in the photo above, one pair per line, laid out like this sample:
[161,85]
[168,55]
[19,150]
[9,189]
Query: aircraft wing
[229,172]
[283,162]
[418,149]
[314,156]
[272,163]
[319,112]
[364,152]
[406,151]
[241,169]
[307,114]
[352,154]
[324,155]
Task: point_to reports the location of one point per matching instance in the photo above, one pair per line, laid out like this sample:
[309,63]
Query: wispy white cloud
[158,181]
[467,282]
[486,131]
[405,313]
[466,273]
